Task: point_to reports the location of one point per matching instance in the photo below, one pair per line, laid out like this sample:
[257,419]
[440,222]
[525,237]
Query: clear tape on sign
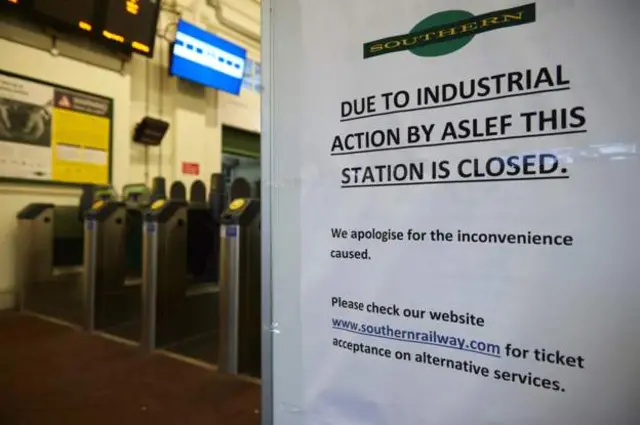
[273,328]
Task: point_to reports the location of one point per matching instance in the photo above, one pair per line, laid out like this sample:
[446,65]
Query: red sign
[191,168]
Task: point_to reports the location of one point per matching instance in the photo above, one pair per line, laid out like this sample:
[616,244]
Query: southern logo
[448,31]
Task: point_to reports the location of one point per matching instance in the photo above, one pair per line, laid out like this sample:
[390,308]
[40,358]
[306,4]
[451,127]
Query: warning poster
[50,133]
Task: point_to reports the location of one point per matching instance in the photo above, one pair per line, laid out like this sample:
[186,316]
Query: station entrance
[173,273]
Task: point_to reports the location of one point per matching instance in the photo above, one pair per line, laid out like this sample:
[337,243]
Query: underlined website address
[418,337]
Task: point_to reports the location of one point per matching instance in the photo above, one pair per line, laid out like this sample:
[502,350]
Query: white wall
[196,114]
[42,65]
[193,112]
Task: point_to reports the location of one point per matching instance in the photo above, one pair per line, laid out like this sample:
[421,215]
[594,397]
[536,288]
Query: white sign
[243,111]
[470,210]
[251,80]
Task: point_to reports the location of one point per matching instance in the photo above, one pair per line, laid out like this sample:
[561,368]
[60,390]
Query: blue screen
[207,59]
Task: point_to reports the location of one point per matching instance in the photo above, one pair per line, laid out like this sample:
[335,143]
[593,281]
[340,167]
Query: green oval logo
[439,20]
[445,32]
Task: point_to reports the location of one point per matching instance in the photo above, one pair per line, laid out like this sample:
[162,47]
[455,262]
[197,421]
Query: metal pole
[149,285]
[91,230]
[267,141]
[229,298]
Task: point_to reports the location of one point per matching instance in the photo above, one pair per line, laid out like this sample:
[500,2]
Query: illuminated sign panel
[130,24]
[67,11]
[207,59]
[134,21]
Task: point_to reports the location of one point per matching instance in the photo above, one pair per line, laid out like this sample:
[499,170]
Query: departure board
[12,4]
[126,25]
[132,22]
[74,13]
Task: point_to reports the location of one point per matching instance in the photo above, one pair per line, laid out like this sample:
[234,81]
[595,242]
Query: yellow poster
[49,133]
[81,133]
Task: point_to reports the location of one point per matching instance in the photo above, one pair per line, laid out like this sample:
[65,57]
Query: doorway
[241,163]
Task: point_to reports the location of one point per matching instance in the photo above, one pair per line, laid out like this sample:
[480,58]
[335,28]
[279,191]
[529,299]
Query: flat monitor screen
[132,22]
[204,58]
[126,25]
[74,13]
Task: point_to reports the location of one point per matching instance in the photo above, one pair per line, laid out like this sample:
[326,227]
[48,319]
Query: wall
[196,114]
[42,65]
[193,112]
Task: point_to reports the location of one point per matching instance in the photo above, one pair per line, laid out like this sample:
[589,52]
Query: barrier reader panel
[163,278]
[239,350]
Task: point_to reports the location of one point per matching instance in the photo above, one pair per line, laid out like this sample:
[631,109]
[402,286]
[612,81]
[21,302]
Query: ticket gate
[50,256]
[240,288]
[113,264]
[180,295]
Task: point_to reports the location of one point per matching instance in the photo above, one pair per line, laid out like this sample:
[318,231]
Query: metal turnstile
[180,301]
[50,256]
[163,288]
[49,263]
[240,291]
[113,269]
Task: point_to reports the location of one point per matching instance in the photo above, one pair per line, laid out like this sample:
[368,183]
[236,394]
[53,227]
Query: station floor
[53,374]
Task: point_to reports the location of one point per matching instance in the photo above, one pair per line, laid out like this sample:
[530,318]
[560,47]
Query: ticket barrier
[113,265]
[240,288]
[50,256]
[180,294]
